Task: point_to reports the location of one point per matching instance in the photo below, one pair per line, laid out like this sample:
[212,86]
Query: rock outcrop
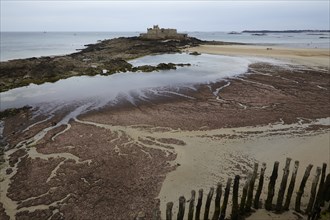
[110,55]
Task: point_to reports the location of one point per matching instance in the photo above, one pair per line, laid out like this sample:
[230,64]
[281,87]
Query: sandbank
[308,57]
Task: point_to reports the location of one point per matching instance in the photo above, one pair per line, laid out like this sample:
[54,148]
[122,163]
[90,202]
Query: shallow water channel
[103,90]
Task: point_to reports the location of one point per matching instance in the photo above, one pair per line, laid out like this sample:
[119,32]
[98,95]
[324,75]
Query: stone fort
[162,33]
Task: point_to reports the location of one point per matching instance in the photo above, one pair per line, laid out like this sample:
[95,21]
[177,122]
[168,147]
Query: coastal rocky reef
[109,55]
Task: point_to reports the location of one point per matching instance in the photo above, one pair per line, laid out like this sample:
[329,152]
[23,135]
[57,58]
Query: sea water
[131,86]
[292,40]
[16,45]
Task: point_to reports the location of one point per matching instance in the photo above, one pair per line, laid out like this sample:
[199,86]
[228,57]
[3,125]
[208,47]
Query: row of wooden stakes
[250,200]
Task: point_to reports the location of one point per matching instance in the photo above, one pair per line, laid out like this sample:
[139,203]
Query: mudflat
[130,159]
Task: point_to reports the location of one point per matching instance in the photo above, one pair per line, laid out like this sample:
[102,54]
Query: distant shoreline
[286,31]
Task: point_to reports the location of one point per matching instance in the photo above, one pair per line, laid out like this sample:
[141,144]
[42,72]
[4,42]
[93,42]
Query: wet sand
[119,160]
[210,159]
[308,57]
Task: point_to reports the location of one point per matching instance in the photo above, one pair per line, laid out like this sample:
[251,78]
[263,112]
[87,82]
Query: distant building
[162,33]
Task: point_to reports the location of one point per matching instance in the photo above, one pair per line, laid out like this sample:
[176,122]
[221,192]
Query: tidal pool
[102,90]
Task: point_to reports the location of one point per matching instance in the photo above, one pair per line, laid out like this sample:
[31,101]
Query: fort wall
[162,33]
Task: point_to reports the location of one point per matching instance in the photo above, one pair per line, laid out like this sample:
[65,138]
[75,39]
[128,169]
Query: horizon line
[326,30]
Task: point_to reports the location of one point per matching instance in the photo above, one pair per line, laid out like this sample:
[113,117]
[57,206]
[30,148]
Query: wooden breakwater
[250,195]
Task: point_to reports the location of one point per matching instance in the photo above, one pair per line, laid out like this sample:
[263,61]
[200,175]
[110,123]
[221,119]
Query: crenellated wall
[162,33]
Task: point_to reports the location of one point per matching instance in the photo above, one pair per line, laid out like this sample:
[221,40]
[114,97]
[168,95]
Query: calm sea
[35,44]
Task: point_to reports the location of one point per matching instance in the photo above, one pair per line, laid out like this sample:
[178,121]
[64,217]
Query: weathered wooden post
[316,210]
[156,214]
[182,205]
[217,202]
[291,185]
[191,205]
[234,212]
[225,200]
[313,191]
[208,203]
[326,195]
[284,181]
[199,204]
[271,187]
[169,207]
[251,188]
[260,185]
[156,211]
[244,194]
[302,186]
[321,191]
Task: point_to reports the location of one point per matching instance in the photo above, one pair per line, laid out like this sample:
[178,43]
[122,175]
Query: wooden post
[225,200]
[217,202]
[234,212]
[244,194]
[284,181]
[251,188]
[169,207]
[302,186]
[156,214]
[326,195]
[321,191]
[271,187]
[199,204]
[208,203]
[260,185]
[156,211]
[291,185]
[191,205]
[313,191]
[316,210]
[182,204]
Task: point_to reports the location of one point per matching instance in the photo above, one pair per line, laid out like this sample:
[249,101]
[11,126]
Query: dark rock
[195,53]
[146,68]
[117,65]
[259,34]
[183,64]
[166,66]
[161,66]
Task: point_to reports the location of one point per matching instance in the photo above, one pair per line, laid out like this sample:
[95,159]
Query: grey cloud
[183,15]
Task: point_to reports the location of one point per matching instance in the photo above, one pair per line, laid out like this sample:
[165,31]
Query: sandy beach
[210,160]
[118,161]
[308,57]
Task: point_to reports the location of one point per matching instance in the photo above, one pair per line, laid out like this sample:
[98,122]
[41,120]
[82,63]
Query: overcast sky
[53,15]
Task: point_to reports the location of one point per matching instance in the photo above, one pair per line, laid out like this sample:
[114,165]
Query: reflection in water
[101,90]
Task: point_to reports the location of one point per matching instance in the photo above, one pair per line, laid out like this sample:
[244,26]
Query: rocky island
[110,55]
